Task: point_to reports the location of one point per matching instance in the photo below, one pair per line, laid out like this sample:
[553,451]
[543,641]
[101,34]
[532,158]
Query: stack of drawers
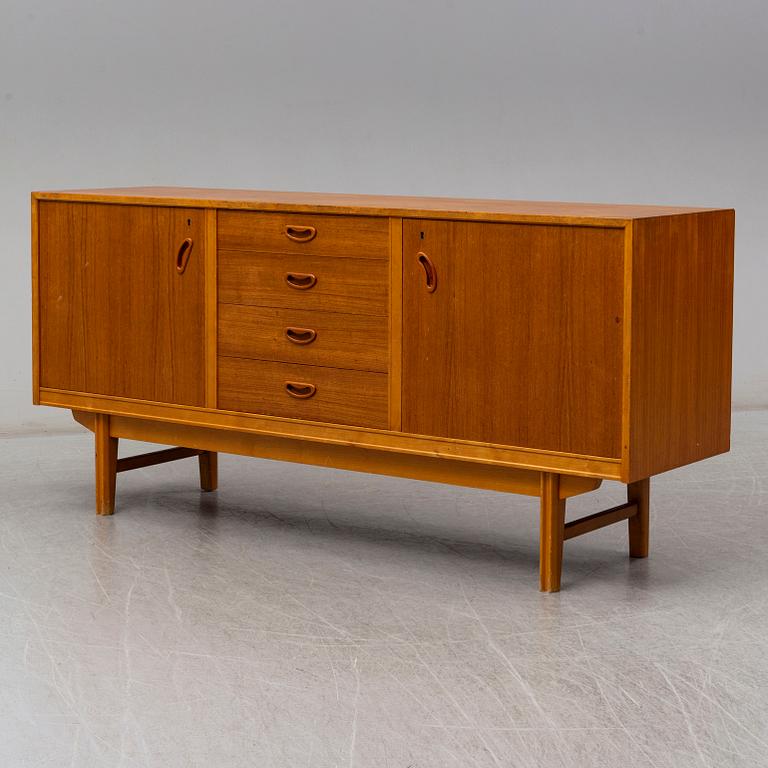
[303,311]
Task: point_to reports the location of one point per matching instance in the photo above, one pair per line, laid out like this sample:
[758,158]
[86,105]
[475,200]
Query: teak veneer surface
[432,468]
[362,437]
[521,346]
[382,205]
[104,291]
[358,398]
[342,285]
[341,340]
[521,342]
[118,318]
[358,237]
[682,327]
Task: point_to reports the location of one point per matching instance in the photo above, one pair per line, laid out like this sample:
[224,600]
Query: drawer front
[300,281]
[302,336]
[356,398]
[362,237]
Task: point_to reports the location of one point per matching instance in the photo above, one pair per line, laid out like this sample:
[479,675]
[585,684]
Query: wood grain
[395,324]
[153,458]
[208,462]
[626,392]
[599,520]
[342,397]
[564,343]
[551,533]
[105,445]
[210,297]
[682,325]
[118,319]
[343,340]
[674,278]
[521,343]
[424,467]
[639,493]
[359,237]
[86,419]
[523,211]
[343,285]
[363,437]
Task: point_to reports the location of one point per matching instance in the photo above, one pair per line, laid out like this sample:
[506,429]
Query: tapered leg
[106,466]
[551,533]
[639,528]
[209,470]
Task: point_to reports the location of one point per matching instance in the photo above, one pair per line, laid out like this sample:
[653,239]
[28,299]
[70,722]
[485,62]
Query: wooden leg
[551,533]
[639,493]
[209,470]
[106,466]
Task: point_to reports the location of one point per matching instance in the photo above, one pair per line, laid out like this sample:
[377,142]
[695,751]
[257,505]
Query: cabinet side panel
[682,323]
[35,304]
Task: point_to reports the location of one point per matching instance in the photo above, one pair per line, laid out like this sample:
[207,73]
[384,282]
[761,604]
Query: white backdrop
[646,101]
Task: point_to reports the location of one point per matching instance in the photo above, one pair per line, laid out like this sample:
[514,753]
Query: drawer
[303,336]
[362,237]
[302,281]
[357,398]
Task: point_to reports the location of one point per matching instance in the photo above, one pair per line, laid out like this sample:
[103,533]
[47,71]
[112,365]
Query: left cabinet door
[121,292]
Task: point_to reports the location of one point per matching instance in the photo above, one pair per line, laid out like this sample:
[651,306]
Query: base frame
[552,488]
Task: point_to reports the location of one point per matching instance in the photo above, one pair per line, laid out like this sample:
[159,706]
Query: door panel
[117,318]
[520,343]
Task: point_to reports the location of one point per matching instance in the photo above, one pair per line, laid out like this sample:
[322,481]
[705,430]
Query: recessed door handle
[300,234]
[300,390]
[300,335]
[429,271]
[183,254]
[300,280]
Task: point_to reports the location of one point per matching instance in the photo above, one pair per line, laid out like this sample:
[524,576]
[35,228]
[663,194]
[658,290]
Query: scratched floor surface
[311,618]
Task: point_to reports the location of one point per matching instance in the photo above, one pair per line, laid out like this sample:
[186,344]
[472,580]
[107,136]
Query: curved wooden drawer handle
[299,389]
[300,335]
[184,252]
[300,234]
[300,280]
[429,271]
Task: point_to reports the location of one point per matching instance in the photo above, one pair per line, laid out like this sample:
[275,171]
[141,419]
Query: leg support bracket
[108,465]
[599,520]
[554,530]
[155,457]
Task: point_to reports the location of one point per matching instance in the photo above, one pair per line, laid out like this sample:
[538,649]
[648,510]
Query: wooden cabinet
[536,348]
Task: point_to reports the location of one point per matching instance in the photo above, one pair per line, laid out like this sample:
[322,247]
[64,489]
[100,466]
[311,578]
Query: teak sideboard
[536,348]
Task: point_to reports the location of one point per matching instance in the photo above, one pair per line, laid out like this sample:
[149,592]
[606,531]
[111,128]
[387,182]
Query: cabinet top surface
[372,205]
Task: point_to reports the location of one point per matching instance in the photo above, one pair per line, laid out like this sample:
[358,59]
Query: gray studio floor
[314,618]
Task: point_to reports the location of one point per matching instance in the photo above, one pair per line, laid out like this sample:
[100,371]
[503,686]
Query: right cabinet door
[512,334]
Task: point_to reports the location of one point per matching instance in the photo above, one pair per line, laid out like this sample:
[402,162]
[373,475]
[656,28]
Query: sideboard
[536,348]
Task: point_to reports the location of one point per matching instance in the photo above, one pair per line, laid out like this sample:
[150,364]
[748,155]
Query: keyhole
[422,235]
[189,222]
